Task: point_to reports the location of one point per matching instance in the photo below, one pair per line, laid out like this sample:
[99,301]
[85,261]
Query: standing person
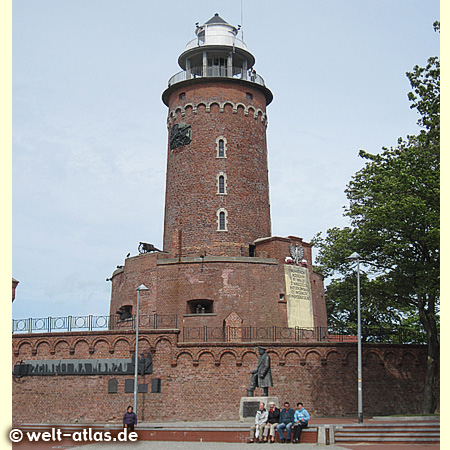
[286,421]
[129,419]
[301,418]
[260,420]
[272,422]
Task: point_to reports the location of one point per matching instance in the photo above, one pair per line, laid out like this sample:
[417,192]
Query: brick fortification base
[208,380]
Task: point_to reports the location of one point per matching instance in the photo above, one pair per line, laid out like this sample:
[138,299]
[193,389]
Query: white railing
[216,39]
[215,72]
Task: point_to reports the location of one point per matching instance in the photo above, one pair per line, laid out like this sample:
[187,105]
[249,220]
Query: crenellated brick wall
[207,381]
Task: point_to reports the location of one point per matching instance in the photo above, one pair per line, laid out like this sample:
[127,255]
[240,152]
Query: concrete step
[342,435]
[392,429]
[399,440]
[403,432]
[434,418]
[393,424]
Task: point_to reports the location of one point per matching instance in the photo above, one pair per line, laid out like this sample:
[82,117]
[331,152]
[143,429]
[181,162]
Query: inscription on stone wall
[250,408]
[299,298]
[83,367]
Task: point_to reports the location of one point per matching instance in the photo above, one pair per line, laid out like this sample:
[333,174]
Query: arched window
[221,183]
[221,147]
[222,220]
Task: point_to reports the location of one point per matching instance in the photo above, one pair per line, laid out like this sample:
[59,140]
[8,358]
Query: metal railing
[91,323]
[253,334]
[215,72]
[216,39]
[387,335]
[397,335]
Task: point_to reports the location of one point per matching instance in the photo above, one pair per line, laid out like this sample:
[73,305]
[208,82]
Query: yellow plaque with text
[298,296]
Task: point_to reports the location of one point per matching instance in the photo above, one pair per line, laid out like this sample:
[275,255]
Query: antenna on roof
[242,19]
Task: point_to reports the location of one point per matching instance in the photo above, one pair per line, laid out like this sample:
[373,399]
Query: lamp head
[355,256]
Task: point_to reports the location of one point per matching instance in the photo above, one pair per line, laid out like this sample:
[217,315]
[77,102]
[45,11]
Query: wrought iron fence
[91,323]
[392,335]
[398,335]
[253,334]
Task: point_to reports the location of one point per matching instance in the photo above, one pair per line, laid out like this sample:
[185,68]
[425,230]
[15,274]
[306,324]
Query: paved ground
[161,445]
[175,445]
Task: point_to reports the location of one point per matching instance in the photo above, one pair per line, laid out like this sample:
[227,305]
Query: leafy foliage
[380,315]
[394,217]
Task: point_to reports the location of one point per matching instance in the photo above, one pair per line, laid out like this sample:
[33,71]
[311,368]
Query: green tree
[394,224]
[382,319]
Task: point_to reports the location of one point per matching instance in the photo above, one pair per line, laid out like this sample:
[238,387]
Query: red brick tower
[217,189]
[220,268]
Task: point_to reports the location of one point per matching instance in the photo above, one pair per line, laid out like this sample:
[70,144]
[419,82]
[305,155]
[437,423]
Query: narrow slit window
[221,184]
[222,220]
[221,147]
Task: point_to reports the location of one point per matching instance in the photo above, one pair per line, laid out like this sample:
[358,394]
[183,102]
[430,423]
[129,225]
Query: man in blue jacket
[286,422]
[301,418]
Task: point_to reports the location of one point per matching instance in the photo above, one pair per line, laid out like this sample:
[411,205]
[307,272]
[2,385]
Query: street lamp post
[136,349]
[356,257]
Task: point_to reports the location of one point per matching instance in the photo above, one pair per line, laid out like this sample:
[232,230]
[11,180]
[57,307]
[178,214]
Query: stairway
[396,432]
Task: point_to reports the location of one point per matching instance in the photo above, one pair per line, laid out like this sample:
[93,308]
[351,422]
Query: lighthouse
[217,188]
[194,317]
[220,272]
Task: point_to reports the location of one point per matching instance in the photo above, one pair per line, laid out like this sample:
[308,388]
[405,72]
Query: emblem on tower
[180,135]
[296,253]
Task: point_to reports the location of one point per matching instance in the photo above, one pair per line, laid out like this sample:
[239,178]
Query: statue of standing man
[262,376]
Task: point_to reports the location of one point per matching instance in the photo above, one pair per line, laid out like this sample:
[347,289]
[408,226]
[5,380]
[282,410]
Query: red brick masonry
[199,381]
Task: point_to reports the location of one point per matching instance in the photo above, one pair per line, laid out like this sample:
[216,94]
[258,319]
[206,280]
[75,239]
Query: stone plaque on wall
[112,386]
[298,296]
[156,385]
[250,405]
[250,408]
[129,386]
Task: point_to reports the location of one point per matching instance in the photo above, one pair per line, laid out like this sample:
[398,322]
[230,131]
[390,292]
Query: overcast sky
[89,127]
